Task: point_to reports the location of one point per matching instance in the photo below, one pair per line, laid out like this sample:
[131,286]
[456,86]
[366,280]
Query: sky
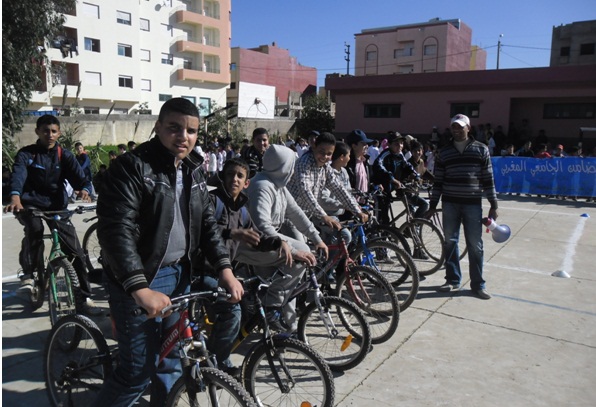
[314,31]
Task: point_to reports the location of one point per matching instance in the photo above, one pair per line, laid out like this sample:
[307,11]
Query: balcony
[194,17]
[202,74]
[196,45]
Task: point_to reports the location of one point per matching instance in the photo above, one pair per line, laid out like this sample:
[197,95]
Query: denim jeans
[470,216]
[226,319]
[139,342]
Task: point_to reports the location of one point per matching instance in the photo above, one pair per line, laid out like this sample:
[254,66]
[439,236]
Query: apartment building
[574,44]
[433,46]
[133,55]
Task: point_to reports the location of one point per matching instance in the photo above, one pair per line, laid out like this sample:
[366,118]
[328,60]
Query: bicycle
[279,370]
[77,360]
[386,257]
[332,326]
[58,276]
[426,238]
[368,289]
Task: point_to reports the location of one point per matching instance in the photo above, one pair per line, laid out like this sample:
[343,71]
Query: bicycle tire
[430,245]
[395,265]
[75,369]
[63,281]
[219,386]
[92,250]
[343,349]
[437,219]
[38,293]
[311,380]
[372,293]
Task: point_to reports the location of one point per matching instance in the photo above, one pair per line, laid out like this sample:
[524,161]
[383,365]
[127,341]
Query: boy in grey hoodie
[275,212]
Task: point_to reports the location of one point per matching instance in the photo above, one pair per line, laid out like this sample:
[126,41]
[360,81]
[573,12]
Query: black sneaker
[420,255]
[275,320]
[448,287]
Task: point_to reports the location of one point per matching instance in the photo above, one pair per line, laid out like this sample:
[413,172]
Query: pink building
[559,100]
[273,66]
[433,46]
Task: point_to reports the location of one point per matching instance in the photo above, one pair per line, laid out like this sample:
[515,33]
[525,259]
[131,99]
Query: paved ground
[533,344]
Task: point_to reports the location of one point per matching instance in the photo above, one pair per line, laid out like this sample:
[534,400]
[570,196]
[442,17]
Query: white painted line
[567,264]
[522,269]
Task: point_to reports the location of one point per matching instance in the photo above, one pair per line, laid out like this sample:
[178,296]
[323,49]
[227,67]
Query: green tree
[219,125]
[316,115]
[26,27]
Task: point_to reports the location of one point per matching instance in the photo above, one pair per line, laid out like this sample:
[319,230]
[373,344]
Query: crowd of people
[161,228]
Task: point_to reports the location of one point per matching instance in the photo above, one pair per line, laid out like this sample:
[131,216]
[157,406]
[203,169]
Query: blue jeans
[139,342]
[470,216]
[226,324]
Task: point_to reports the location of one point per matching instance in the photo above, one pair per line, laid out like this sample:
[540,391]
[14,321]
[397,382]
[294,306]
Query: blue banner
[567,176]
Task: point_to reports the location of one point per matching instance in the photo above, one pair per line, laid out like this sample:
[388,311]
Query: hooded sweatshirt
[270,202]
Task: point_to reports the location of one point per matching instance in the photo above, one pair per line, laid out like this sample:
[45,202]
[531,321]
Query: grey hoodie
[270,203]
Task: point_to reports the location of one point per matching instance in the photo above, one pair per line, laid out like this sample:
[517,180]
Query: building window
[204,106]
[405,69]
[120,110]
[123,17]
[167,59]
[382,111]
[187,63]
[167,28]
[145,55]
[472,110]
[565,51]
[569,111]
[92,44]
[233,66]
[125,50]
[232,85]
[164,97]
[192,99]
[430,49]
[586,49]
[125,81]
[146,84]
[91,10]
[144,23]
[371,55]
[406,50]
[93,78]
[91,110]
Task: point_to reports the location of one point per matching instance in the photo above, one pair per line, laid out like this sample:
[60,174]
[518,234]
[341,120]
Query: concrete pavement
[532,344]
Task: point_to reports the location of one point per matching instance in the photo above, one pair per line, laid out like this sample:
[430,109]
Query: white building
[130,54]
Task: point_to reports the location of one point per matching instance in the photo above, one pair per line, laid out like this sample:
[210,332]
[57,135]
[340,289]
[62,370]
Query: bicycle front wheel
[212,388]
[92,251]
[76,361]
[337,330]
[63,280]
[394,264]
[296,375]
[427,243]
[372,293]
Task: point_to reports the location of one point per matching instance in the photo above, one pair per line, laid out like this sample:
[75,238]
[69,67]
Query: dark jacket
[231,217]
[389,166]
[254,160]
[136,213]
[38,176]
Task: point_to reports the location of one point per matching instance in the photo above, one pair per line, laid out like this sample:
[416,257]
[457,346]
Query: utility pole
[347,57]
[499,50]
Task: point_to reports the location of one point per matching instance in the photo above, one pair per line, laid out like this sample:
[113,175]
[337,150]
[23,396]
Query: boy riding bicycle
[37,182]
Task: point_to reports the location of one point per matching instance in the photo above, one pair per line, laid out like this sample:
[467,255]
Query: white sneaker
[26,283]
[90,308]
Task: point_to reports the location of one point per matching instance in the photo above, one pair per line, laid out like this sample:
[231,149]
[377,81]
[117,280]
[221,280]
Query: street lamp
[499,49]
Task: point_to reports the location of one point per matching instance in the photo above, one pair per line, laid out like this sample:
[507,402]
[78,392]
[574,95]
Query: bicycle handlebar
[182,301]
[63,214]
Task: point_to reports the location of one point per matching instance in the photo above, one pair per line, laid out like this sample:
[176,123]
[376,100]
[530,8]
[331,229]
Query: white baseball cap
[461,119]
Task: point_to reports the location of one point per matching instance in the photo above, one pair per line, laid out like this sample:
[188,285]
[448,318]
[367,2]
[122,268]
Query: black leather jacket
[136,212]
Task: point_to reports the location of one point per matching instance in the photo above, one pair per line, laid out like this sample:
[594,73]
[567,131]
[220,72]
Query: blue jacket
[38,176]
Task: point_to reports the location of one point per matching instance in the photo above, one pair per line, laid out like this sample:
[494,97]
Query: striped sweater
[463,177]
